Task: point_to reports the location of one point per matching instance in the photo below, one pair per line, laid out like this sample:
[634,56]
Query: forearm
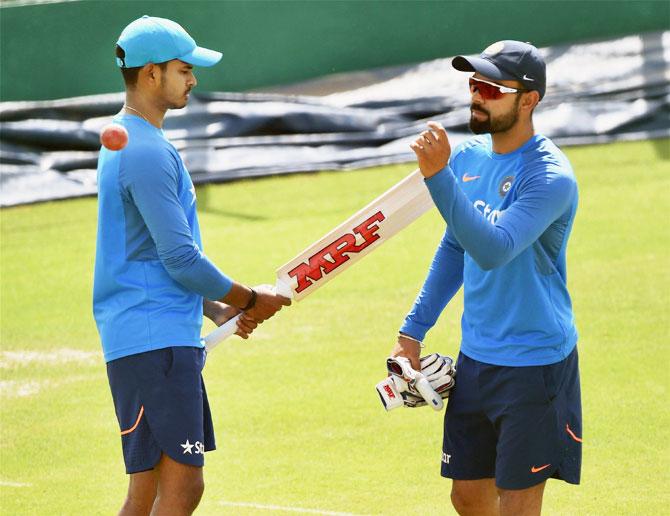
[544,192]
[444,279]
[490,246]
[197,273]
[543,197]
[238,296]
[220,313]
[210,309]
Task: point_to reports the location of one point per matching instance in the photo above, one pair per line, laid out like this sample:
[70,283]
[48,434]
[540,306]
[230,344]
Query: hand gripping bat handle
[224,331]
[432,398]
[229,328]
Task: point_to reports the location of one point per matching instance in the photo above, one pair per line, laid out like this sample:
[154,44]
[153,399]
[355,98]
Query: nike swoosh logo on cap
[526,78]
[467,178]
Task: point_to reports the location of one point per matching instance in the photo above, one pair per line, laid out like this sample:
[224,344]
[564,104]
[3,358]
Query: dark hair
[130,74]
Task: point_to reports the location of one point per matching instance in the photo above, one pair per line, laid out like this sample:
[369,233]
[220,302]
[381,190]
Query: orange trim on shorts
[132,429]
[572,434]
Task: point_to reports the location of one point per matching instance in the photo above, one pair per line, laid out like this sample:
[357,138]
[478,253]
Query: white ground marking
[14,359]
[20,388]
[29,387]
[286,509]
[7,483]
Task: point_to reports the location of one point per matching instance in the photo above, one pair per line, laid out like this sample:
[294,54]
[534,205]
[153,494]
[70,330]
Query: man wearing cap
[153,282]
[509,198]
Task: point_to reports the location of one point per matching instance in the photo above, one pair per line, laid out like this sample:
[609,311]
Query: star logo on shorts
[187,447]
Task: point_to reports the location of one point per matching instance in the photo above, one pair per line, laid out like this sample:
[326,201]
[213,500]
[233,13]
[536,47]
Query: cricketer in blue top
[150,273]
[152,281]
[153,284]
[509,217]
[509,198]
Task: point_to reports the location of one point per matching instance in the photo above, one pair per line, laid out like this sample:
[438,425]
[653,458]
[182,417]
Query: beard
[178,103]
[497,125]
[174,101]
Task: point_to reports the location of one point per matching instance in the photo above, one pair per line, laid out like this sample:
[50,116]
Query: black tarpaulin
[597,92]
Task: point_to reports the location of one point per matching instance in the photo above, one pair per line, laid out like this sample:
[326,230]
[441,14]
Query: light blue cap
[155,40]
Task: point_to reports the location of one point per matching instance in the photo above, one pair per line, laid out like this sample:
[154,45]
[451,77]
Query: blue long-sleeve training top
[150,271]
[508,218]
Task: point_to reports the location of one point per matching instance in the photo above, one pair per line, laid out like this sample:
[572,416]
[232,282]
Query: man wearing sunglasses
[509,198]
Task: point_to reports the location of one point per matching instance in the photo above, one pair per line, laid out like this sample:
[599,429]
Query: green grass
[297,418]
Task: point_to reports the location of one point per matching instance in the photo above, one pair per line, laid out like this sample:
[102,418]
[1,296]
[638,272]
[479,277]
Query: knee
[138,503]
[194,493]
[471,501]
[180,498]
[464,502]
[140,498]
[199,489]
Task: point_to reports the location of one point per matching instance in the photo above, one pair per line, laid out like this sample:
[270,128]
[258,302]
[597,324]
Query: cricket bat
[355,238]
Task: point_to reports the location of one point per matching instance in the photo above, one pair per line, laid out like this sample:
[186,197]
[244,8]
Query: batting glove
[407,387]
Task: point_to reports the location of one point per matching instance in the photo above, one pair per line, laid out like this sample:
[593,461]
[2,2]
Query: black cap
[508,61]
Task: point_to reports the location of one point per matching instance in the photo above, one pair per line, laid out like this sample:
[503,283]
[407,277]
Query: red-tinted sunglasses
[491,90]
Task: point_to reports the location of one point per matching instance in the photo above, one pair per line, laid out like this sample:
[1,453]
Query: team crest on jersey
[505,185]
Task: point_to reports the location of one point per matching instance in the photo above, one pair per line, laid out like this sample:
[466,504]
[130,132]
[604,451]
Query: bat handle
[211,340]
[432,398]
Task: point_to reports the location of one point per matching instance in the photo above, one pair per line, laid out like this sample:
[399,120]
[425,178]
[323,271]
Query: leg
[141,494]
[140,451]
[180,488]
[164,387]
[522,502]
[475,497]
[469,445]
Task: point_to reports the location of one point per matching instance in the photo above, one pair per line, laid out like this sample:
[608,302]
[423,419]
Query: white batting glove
[411,388]
[440,372]
[389,394]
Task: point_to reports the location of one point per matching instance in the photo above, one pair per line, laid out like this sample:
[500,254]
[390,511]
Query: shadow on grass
[230,214]
[205,205]
[662,148]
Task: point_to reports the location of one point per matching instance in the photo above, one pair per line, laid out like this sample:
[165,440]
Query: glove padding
[440,372]
[407,387]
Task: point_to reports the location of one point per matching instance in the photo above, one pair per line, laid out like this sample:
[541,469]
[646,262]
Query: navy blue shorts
[519,425]
[161,404]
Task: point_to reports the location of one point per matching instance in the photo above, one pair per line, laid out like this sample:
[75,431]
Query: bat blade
[356,237]
[345,245]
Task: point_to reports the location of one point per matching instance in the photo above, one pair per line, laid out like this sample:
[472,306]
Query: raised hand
[432,149]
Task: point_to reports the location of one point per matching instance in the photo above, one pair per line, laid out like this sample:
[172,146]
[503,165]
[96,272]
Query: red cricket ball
[114,137]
